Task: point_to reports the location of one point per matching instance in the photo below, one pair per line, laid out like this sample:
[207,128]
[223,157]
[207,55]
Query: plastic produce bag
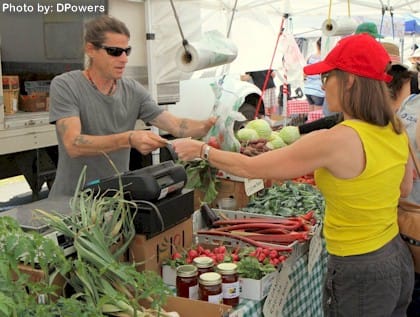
[222,134]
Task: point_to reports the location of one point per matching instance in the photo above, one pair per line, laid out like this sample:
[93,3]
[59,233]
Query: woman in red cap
[362,167]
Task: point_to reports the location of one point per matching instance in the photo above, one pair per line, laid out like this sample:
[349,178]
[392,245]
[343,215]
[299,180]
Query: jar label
[216,299]
[193,292]
[230,290]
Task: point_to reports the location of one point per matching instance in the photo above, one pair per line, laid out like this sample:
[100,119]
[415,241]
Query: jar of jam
[187,281]
[230,283]
[210,287]
[204,264]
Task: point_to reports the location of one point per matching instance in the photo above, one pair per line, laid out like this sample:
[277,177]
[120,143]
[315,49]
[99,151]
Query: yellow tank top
[361,213]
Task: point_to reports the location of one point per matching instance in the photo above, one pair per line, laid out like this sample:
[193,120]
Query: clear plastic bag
[222,134]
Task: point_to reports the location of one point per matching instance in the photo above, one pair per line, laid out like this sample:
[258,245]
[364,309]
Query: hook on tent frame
[384,9]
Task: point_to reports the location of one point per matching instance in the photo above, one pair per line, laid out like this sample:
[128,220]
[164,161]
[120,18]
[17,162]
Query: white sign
[253,186]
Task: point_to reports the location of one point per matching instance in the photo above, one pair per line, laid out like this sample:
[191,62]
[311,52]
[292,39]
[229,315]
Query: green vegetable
[276,143]
[261,126]
[289,134]
[250,267]
[101,284]
[202,177]
[287,200]
[247,134]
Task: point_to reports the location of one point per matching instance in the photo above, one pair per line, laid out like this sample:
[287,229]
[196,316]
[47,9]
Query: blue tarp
[412,26]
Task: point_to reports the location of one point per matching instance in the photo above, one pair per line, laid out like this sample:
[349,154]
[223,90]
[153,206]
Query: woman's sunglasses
[324,78]
[116,51]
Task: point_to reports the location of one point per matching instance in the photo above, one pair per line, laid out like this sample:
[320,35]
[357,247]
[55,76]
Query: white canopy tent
[254,26]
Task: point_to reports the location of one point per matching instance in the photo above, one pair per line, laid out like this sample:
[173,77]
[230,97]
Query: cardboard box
[152,252]
[10,82]
[193,308]
[256,289]
[168,275]
[34,102]
[10,100]
[37,275]
[226,189]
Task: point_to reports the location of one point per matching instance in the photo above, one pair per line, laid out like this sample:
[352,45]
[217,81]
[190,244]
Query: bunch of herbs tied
[289,199]
[202,177]
[101,284]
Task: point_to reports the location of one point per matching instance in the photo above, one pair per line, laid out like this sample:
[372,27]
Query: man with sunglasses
[95,111]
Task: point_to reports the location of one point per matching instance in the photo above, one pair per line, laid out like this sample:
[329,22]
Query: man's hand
[209,123]
[146,141]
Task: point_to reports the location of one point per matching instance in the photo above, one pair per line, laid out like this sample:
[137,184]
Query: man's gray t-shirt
[72,95]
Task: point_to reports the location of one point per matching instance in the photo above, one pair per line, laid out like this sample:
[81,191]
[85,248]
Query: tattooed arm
[78,144]
[183,127]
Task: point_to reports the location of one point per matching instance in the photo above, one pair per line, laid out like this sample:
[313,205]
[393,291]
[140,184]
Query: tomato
[220,257]
[213,142]
[273,254]
[200,249]
[176,255]
[192,253]
[207,252]
[221,137]
[222,249]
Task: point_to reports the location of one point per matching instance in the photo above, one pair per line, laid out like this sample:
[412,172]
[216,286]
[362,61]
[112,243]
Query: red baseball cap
[358,54]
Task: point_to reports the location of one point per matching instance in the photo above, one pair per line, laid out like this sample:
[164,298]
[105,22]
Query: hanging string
[222,79]
[231,18]
[392,21]
[348,8]
[184,41]
[257,110]
[329,12]
[382,19]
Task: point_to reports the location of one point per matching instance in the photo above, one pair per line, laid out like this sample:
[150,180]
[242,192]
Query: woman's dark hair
[414,84]
[96,29]
[400,75]
[367,100]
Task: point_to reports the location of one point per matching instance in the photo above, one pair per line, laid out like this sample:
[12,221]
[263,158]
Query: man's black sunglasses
[116,51]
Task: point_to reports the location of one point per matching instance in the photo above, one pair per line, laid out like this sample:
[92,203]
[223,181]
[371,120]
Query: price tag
[315,248]
[280,289]
[253,185]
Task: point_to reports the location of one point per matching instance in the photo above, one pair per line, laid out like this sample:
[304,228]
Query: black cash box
[153,218]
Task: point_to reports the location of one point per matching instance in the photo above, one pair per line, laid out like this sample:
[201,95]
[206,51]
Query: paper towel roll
[340,26]
[212,50]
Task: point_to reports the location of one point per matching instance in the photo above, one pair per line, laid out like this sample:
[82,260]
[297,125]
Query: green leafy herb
[202,177]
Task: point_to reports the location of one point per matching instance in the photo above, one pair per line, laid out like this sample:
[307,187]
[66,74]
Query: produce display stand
[297,287]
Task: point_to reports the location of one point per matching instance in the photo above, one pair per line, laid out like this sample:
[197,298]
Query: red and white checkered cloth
[297,106]
[315,115]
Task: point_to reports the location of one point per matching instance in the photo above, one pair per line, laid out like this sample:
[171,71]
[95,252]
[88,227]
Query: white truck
[35,41]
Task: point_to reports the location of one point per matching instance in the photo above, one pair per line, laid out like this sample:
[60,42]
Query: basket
[38,86]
